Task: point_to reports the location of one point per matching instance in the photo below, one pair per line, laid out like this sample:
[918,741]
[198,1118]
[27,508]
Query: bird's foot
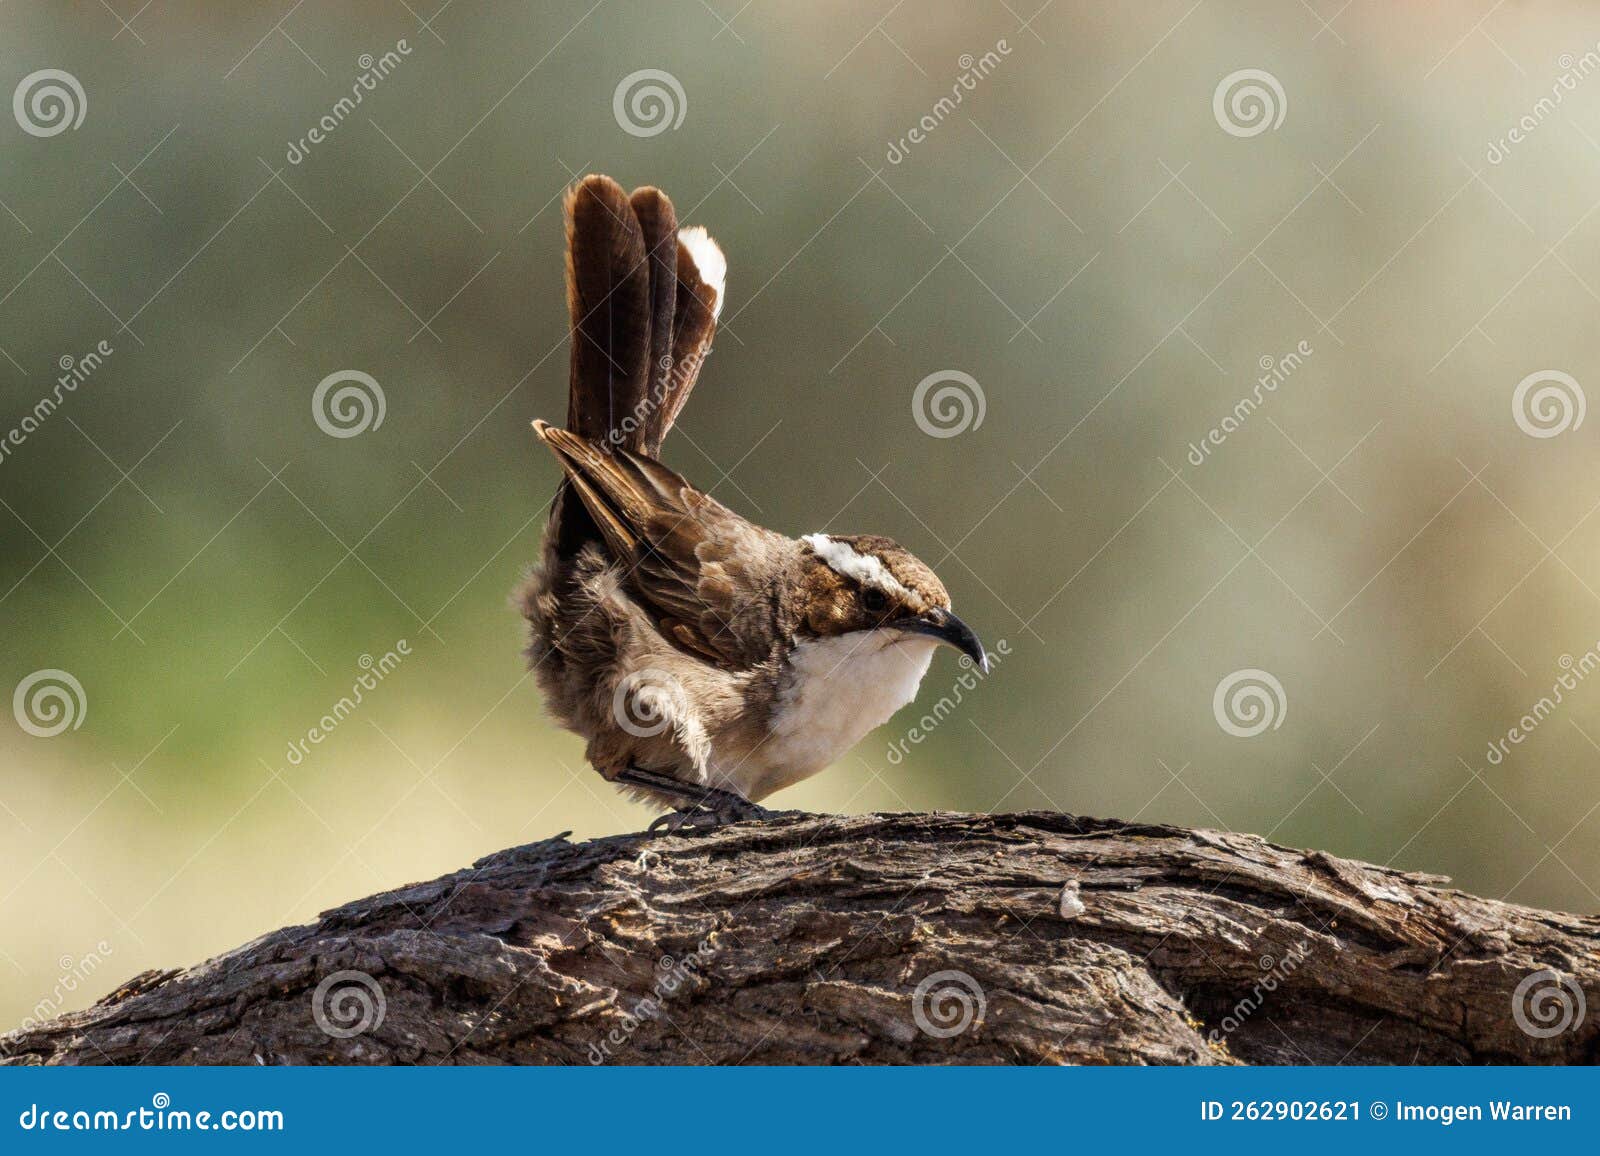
[732,808]
[684,819]
[714,809]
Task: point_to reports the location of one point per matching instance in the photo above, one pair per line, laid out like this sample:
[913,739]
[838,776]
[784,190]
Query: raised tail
[644,297]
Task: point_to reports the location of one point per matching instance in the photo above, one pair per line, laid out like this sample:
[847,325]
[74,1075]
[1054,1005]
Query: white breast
[836,691]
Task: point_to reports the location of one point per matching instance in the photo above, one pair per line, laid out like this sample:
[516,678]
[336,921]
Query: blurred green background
[1082,234]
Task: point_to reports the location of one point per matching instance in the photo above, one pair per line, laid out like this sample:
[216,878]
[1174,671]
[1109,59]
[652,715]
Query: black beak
[947,628]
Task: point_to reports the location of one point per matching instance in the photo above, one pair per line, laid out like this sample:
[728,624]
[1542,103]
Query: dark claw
[715,809]
[687,819]
[732,808]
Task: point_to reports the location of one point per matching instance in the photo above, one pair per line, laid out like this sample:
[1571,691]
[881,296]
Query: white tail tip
[708,259]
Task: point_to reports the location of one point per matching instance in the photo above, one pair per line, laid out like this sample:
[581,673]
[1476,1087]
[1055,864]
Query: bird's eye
[875,601]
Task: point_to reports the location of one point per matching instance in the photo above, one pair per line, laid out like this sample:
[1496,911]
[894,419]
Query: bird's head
[863,582]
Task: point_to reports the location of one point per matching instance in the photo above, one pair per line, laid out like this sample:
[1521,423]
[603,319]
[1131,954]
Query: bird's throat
[832,693]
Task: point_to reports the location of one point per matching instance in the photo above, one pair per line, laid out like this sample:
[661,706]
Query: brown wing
[705,574]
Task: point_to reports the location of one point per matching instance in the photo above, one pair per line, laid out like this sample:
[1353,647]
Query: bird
[707,660]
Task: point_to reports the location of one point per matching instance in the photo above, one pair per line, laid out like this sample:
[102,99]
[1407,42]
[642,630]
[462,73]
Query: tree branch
[821,939]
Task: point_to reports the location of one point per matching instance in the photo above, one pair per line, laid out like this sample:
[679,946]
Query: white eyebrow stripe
[867,569]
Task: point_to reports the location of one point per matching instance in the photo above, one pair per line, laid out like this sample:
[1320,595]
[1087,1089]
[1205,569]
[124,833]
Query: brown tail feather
[659,224]
[608,294]
[694,323]
[644,297]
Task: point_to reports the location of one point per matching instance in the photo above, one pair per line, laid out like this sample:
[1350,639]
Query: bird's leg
[689,794]
[701,808]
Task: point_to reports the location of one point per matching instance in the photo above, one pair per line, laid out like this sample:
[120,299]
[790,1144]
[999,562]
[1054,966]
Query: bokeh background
[1107,254]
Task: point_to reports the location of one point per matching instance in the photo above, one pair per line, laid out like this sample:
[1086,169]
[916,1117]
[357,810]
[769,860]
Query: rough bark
[806,939]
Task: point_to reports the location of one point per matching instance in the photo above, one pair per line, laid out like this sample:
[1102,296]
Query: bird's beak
[947,628]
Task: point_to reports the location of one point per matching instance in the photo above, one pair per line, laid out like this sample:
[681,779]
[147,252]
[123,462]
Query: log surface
[920,938]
